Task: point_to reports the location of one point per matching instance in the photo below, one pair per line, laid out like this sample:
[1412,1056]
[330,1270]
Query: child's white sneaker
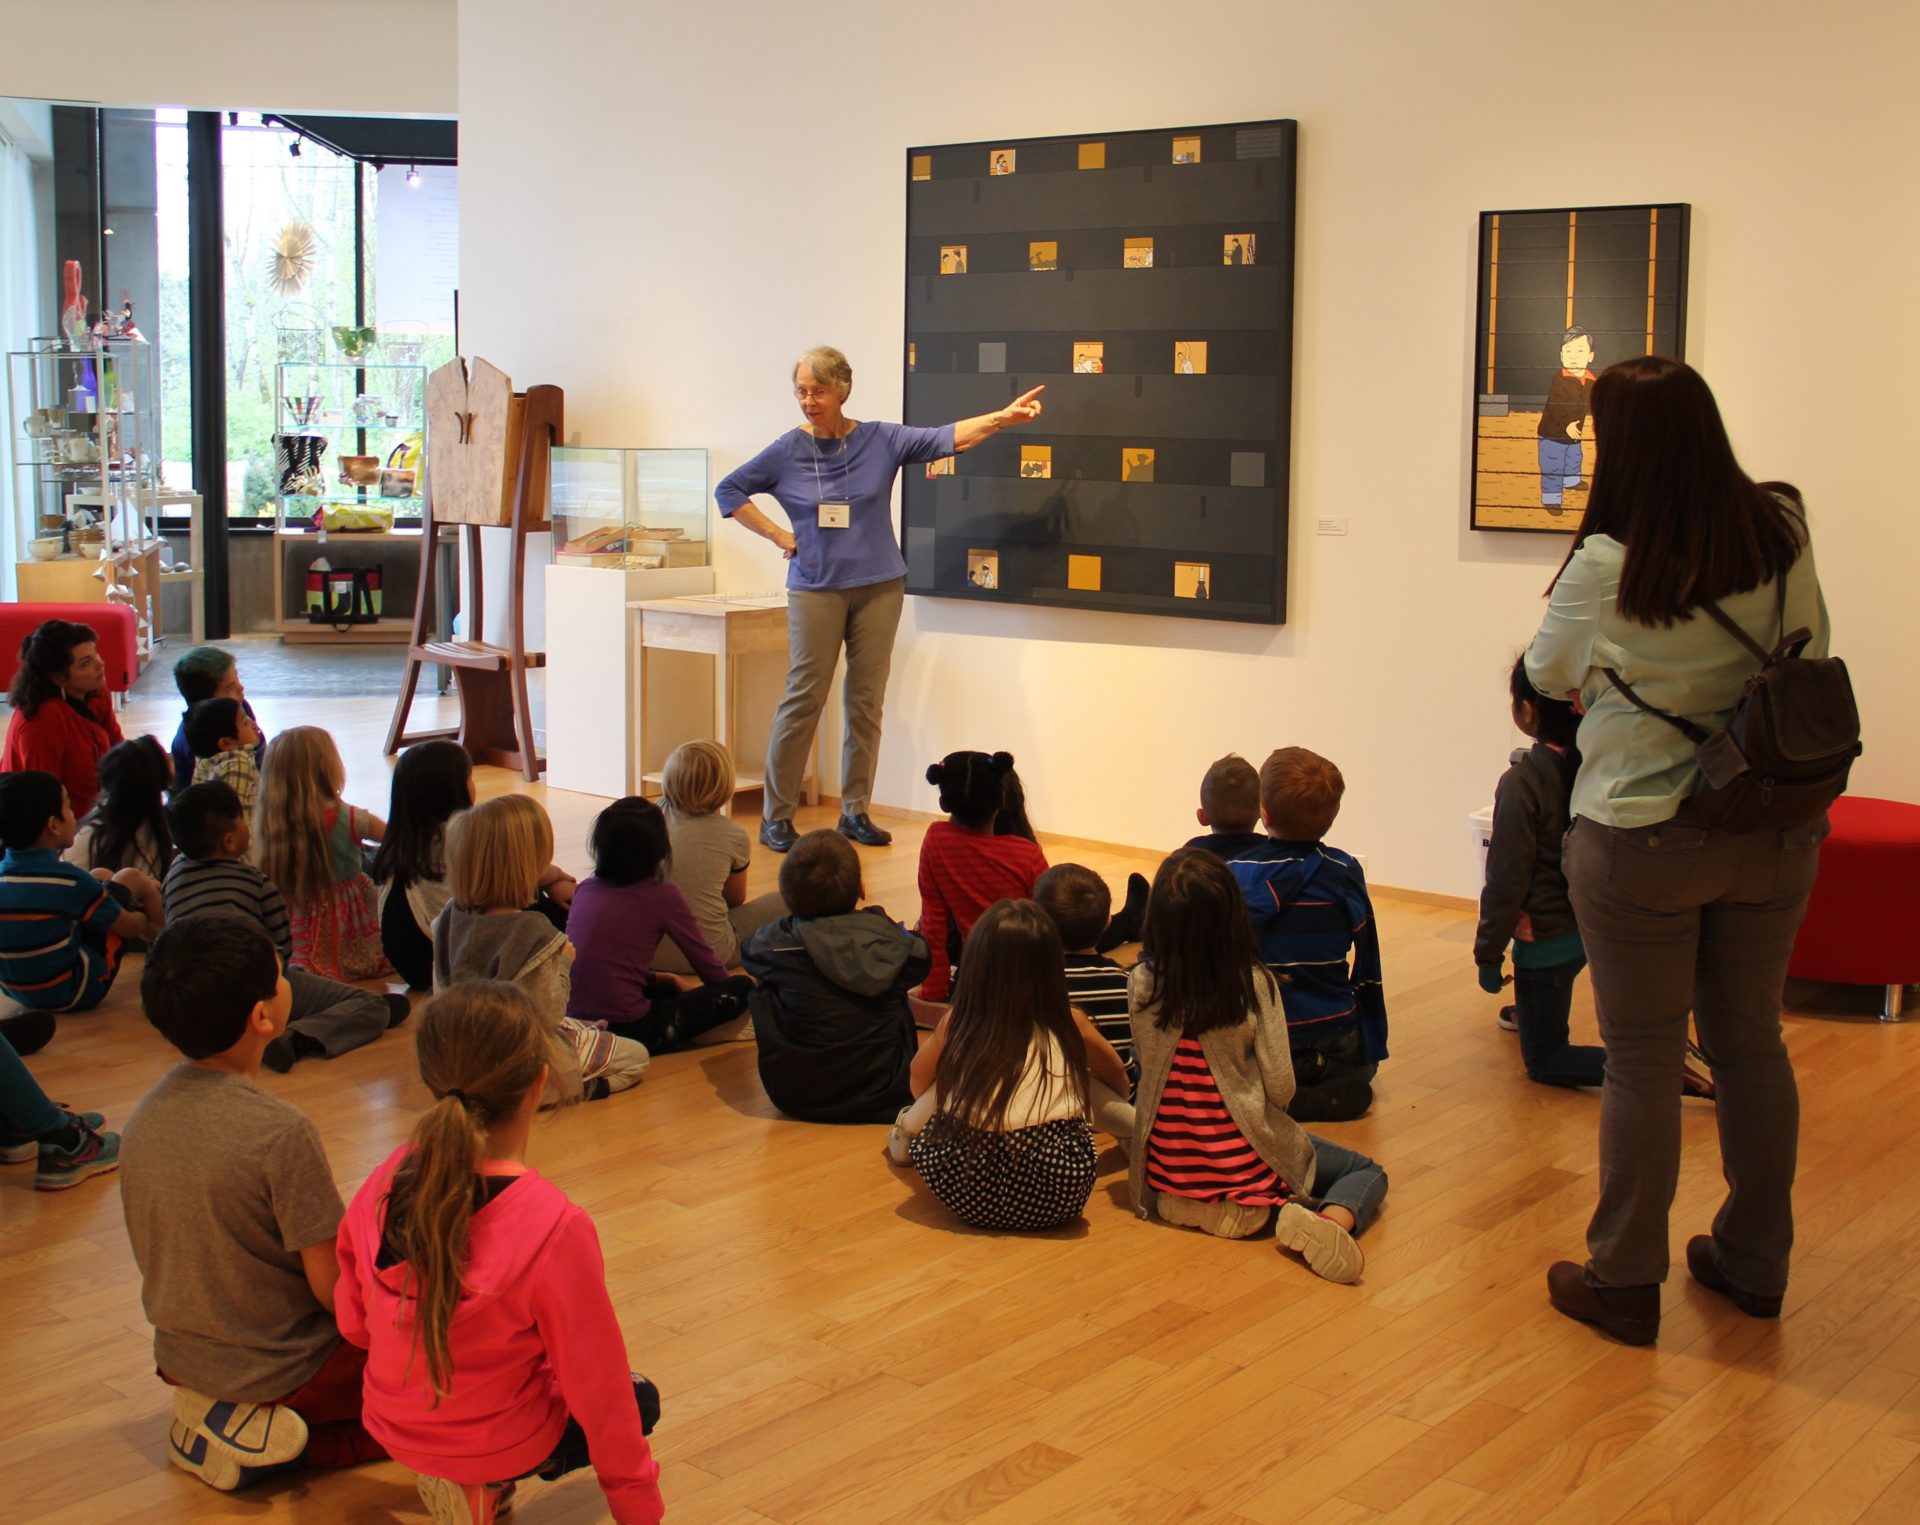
[249,1434]
[897,1140]
[1328,1249]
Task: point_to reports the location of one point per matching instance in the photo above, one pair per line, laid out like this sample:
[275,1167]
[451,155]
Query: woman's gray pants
[818,624]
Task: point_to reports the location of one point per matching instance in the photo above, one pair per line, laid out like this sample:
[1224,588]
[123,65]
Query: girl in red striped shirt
[1220,1153]
[983,852]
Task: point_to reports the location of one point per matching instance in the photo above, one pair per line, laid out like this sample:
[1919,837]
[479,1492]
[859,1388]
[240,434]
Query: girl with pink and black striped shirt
[1214,1147]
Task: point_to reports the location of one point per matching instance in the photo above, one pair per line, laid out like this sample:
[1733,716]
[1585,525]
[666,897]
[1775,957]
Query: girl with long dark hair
[1677,914]
[1008,1082]
[431,783]
[1218,1151]
[127,827]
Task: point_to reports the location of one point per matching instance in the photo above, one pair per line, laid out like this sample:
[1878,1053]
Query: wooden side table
[725,627]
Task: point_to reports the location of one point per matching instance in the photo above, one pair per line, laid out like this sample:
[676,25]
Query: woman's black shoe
[861,828]
[778,835]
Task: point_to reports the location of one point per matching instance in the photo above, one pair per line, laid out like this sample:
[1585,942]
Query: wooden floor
[833,1347]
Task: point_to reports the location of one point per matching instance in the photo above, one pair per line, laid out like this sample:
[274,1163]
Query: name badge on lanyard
[835,516]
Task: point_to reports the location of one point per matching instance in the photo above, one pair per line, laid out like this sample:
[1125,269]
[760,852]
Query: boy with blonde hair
[1313,923]
[710,852]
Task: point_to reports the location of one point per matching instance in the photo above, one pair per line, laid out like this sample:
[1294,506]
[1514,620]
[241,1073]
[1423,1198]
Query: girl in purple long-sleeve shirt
[616,922]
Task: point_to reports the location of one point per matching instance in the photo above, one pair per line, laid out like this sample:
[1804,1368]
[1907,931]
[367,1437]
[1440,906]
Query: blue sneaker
[18,1148]
[191,1451]
[249,1434]
[97,1153]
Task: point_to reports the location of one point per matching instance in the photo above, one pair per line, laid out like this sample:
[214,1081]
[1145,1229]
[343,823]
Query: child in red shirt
[964,866]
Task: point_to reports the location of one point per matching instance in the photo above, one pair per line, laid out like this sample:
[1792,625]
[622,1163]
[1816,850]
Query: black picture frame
[1156,480]
[1616,273]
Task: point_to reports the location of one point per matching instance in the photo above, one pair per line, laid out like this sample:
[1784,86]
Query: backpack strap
[1686,728]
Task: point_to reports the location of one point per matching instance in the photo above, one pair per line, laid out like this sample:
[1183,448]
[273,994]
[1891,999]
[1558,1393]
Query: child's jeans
[1333,1084]
[1112,1114]
[1541,1000]
[1344,1178]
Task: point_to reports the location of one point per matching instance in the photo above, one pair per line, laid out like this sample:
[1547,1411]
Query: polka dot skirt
[1028,1178]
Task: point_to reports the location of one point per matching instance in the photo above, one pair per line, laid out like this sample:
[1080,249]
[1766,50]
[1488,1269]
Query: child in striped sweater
[964,866]
[1215,1149]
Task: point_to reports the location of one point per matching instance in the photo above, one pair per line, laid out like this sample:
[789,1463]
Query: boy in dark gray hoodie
[830,1017]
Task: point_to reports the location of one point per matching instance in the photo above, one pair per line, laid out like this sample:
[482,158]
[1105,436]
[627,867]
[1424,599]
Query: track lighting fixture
[413,177]
[293,148]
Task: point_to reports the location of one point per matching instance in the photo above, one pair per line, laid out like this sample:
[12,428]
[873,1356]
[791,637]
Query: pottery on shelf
[355,342]
[44,547]
[360,470]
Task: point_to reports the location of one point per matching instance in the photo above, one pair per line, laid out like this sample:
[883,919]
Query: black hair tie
[457,1095]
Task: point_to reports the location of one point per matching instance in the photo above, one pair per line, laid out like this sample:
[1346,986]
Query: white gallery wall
[664,204]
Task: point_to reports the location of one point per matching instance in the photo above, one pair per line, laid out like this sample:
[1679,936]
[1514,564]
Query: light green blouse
[1635,769]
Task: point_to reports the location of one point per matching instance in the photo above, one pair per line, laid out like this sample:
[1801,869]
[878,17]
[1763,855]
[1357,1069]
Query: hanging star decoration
[295,253]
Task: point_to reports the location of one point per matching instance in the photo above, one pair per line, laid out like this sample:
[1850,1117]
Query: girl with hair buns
[1008,1082]
[964,866]
[478,1290]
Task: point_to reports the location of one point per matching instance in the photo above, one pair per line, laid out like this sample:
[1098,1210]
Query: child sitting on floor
[836,1038]
[478,1291]
[620,914]
[1008,1082]
[1077,901]
[964,866]
[309,841]
[487,932]
[1217,1149]
[224,738]
[1229,809]
[61,928]
[432,782]
[205,672]
[127,827]
[710,851]
[328,1017]
[231,1210]
[1311,916]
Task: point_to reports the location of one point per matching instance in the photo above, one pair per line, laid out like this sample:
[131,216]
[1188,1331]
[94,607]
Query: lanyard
[846,484]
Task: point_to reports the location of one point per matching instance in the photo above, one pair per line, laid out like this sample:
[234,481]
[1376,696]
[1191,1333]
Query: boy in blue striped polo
[61,928]
[1314,926]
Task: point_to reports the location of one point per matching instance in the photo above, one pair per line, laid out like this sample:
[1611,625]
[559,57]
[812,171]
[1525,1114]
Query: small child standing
[1220,1152]
[61,928]
[1007,1083]
[478,1291]
[231,1210]
[487,932]
[432,782]
[620,914]
[834,1033]
[205,672]
[127,827]
[309,841]
[1313,924]
[710,851]
[224,740]
[964,866]
[1078,901]
[328,1017]
[1229,809]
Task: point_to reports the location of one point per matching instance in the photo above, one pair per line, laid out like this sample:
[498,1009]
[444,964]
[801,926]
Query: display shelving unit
[350,426]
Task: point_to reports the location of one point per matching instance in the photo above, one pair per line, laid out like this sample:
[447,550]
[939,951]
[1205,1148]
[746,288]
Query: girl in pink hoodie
[478,1290]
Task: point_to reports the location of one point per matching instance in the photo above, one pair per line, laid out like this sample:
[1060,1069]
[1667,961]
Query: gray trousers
[1677,918]
[336,1015]
[864,620]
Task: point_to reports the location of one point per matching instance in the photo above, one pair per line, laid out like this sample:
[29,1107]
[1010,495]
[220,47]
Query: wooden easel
[487,467]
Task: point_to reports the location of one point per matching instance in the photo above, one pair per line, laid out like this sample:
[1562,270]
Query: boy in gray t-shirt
[231,1210]
[710,849]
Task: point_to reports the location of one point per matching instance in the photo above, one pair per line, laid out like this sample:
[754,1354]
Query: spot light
[293,148]
[413,177]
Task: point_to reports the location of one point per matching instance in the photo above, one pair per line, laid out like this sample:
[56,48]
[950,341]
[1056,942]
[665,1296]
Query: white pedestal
[593,676]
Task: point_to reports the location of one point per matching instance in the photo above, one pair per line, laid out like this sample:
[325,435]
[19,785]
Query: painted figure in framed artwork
[1563,294]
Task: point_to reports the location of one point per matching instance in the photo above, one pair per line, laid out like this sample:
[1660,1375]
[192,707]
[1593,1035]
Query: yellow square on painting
[1083,573]
[1093,156]
[923,166]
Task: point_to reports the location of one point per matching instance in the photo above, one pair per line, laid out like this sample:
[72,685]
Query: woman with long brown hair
[1008,1081]
[478,1290]
[1678,914]
[62,721]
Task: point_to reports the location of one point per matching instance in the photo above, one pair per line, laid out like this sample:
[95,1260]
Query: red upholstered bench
[1863,923]
[114,624]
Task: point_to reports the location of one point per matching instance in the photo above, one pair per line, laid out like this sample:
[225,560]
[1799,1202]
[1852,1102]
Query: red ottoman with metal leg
[1863,922]
[114,625]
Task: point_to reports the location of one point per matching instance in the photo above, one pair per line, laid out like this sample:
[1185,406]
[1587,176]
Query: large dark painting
[1146,279]
[1563,295]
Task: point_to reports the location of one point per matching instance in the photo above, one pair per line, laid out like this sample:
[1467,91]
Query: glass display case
[634,509]
[351,444]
